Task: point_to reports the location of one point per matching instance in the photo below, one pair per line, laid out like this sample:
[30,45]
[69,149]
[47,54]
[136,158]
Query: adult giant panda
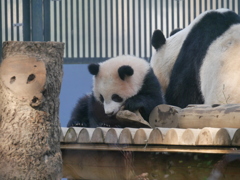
[123,81]
[200,63]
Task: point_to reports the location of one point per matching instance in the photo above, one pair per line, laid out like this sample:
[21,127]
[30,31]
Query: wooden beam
[164,136]
[153,148]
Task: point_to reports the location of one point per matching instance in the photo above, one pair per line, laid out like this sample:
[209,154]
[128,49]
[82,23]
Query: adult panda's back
[184,86]
[220,71]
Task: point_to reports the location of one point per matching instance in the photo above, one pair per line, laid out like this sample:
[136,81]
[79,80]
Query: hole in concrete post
[31,77]
[13,79]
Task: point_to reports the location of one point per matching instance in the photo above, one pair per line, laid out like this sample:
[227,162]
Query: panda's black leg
[79,117]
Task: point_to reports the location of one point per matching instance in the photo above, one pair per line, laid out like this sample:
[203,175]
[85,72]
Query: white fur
[164,58]
[112,107]
[107,82]
[220,71]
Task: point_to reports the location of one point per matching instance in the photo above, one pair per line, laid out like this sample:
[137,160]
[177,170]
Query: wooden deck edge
[153,148]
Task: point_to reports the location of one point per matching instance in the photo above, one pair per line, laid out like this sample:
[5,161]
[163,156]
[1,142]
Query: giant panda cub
[123,82]
[200,63]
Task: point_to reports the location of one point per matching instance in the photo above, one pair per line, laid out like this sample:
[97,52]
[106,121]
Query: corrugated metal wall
[105,28]
[94,30]
[11,20]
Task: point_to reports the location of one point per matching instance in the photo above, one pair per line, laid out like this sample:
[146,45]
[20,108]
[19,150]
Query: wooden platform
[159,153]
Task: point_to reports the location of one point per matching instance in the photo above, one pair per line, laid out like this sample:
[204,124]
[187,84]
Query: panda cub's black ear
[158,39]
[124,71]
[93,68]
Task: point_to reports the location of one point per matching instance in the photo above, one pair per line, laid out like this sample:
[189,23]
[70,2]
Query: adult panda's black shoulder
[197,64]
[122,82]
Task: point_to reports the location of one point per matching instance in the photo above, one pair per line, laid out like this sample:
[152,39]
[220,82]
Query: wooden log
[222,137]
[164,131]
[85,135]
[164,116]
[126,136]
[30,81]
[99,135]
[112,135]
[189,137]
[173,136]
[206,136]
[231,132]
[213,136]
[77,129]
[141,136]
[155,137]
[236,138]
[222,116]
[63,133]
[71,135]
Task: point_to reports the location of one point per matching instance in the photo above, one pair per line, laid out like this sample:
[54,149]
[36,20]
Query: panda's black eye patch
[101,98]
[117,98]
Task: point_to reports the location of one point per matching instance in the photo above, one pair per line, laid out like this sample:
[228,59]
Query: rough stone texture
[30,82]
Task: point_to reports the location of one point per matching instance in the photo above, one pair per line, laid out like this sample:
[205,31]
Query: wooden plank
[71,135]
[222,137]
[189,137]
[176,136]
[236,138]
[112,135]
[141,136]
[99,135]
[126,136]
[213,136]
[85,135]
[153,148]
[155,137]
[63,133]
[173,136]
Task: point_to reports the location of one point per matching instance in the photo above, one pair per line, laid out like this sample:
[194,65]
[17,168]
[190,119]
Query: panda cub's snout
[112,106]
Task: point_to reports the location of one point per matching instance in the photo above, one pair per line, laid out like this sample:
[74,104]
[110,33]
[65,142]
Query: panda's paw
[131,106]
[104,125]
[77,124]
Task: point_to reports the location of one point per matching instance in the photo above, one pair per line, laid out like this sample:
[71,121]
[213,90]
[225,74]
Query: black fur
[80,112]
[93,68]
[175,31]
[158,39]
[125,71]
[90,113]
[184,86]
[147,98]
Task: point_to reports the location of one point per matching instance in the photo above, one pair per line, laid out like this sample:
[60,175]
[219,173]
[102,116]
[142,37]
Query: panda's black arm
[143,102]
[147,98]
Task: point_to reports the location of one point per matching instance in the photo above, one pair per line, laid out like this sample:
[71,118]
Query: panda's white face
[112,105]
[110,89]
